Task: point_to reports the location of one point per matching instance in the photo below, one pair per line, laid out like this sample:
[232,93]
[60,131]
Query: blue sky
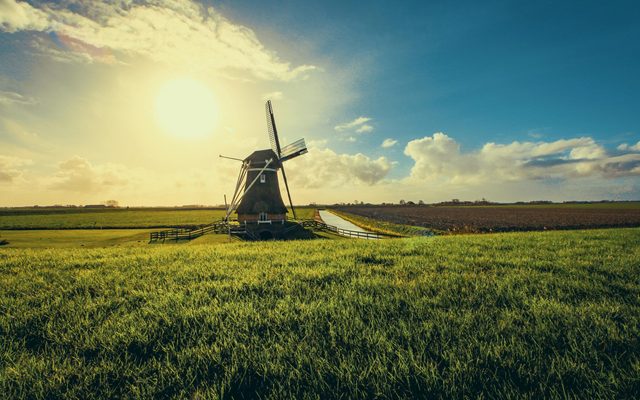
[505,100]
[496,68]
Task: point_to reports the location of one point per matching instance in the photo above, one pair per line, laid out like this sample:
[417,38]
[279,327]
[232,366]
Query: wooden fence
[221,227]
[180,234]
[343,232]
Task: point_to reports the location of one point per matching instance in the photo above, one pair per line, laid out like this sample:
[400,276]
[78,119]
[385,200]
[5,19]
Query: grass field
[92,238]
[75,238]
[114,218]
[546,314]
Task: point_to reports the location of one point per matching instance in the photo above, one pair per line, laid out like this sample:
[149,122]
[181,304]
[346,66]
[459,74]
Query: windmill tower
[257,199]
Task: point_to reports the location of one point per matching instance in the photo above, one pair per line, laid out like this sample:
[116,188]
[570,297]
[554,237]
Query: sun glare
[186,108]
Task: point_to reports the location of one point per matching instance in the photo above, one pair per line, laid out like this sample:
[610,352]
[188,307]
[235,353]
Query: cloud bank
[16,16]
[440,158]
[77,174]
[323,167]
[12,168]
[567,169]
[167,31]
[626,147]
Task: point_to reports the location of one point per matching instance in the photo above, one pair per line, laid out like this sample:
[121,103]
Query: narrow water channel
[332,219]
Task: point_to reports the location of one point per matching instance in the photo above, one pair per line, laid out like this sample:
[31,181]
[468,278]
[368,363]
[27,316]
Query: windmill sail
[293,150]
[289,151]
[273,131]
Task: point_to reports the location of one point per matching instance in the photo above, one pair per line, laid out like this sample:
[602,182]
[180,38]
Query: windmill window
[263,178]
[263,216]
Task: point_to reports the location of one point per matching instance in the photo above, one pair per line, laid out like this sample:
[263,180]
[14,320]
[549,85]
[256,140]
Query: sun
[186,108]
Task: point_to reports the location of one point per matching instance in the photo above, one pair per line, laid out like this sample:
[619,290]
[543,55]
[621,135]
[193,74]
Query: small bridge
[319,225]
[238,230]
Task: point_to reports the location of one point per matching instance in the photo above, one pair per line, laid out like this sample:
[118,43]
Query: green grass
[115,218]
[528,315]
[304,212]
[388,228]
[49,238]
[75,238]
[119,218]
[211,238]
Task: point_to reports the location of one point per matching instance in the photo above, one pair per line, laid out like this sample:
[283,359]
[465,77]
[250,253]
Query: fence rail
[180,234]
[222,227]
[343,232]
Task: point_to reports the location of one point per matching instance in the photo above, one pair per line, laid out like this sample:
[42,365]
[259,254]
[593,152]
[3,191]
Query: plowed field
[505,218]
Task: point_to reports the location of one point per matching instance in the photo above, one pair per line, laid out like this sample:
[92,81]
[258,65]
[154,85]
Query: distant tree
[112,203]
[411,203]
[420,202]
[402,202]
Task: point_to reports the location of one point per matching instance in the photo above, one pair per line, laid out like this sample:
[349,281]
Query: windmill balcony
[262,219]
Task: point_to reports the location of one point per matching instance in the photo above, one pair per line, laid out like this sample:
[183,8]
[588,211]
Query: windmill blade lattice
[295,149]
[273,131]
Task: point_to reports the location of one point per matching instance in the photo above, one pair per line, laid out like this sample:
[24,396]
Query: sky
[133,101]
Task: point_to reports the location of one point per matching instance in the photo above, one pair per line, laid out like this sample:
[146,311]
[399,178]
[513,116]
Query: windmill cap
[259,157]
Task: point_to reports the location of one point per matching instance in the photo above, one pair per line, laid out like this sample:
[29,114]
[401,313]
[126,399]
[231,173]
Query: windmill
[257,199]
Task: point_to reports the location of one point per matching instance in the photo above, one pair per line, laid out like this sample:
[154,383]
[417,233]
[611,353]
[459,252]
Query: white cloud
[388,143]
[79,175]
[357,126]
[324,168]
[7,98]
[626,147]
[353,124]
[591,151]
[12,168]
[364,129]
[440,158]
[16,16]
[175,32]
